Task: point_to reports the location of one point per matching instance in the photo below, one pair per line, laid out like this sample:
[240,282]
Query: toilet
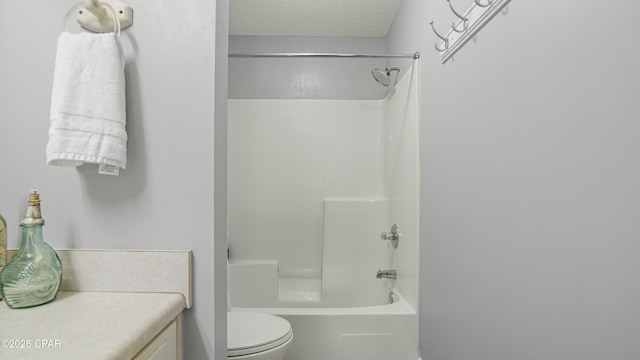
[257,336]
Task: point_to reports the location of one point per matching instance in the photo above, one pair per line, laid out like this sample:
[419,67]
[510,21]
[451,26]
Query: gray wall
[530,182]
[165,198]
[304,78]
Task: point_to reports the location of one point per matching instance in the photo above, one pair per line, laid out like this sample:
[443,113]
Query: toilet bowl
[257,336]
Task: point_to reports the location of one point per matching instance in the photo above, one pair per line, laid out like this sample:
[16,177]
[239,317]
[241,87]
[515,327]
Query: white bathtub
[330,321]
[383,332]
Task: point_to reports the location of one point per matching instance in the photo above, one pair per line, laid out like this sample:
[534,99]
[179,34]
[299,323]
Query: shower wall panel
[285,158]
[353,251]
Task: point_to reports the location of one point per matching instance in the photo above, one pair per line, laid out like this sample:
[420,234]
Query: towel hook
[91,15]
[465,20]
[490,2]
[446,41]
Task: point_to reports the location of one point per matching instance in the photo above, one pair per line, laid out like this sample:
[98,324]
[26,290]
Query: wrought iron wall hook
[465,20]
[490,2]
[446,41]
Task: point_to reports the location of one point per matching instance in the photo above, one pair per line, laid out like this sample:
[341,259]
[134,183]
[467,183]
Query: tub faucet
[387,274]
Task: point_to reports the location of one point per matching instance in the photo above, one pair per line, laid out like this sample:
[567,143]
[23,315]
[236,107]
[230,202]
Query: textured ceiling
[312,17]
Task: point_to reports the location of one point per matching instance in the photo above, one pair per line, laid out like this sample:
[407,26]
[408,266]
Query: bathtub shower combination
[323,219]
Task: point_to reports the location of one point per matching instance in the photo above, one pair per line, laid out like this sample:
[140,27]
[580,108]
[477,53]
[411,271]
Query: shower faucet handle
[393,236]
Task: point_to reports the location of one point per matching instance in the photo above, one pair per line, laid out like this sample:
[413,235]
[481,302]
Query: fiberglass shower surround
[312,184]
[292,162]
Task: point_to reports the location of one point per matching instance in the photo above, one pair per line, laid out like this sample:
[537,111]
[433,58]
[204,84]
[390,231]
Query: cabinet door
[163,347]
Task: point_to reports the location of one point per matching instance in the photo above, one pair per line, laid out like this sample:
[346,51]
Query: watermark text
[30,344]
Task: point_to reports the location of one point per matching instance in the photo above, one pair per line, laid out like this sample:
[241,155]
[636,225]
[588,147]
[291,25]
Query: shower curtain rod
[324,55]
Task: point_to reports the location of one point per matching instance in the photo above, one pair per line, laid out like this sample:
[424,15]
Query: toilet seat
[252,333]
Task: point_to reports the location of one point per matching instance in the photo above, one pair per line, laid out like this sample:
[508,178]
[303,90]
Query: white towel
[88,110]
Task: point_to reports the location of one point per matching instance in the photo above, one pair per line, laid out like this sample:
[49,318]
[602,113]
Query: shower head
[383,76]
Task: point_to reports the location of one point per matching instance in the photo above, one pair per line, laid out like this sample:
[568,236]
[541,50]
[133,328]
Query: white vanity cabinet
[166,345]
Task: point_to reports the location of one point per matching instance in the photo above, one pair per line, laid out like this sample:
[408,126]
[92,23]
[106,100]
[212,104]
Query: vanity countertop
[86,325]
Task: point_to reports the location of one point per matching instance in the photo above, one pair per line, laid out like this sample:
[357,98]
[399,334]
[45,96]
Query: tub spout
[387,274]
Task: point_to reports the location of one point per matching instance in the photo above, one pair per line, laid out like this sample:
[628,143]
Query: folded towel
[88,110]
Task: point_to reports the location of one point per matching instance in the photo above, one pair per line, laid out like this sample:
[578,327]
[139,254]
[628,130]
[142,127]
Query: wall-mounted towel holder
[95,15]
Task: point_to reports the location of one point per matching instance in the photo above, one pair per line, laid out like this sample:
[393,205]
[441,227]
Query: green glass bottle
[34,275]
